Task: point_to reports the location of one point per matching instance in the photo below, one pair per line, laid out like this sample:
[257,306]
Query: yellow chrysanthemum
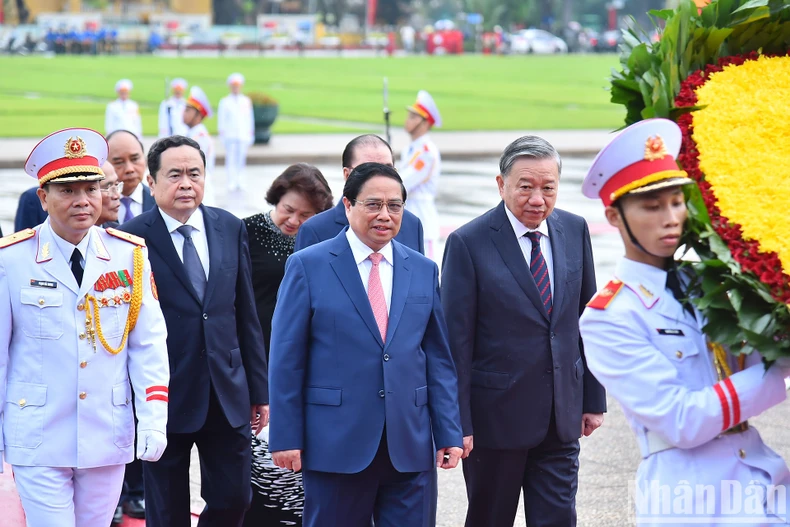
[743,137]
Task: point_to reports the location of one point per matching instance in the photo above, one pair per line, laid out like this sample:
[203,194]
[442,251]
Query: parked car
[536,41]
[608,41]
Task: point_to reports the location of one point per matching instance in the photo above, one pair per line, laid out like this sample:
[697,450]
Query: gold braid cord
[134,306]
[720,360]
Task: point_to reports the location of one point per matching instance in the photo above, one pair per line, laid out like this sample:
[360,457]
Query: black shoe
[117,518]
[135,509]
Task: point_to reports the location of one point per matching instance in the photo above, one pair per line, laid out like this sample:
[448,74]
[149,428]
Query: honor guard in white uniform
[171,110]
[123,113]
[421,166]
[198,108]
[81,330]
[236,125]
[686,399]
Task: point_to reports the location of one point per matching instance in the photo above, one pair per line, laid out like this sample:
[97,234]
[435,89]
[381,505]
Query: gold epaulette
[17,237]
[125,236]
[604,297]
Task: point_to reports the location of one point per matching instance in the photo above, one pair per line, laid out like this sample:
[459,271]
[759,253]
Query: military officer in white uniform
[687,402]
[171,110]
[236,125]
[198,108]
[421,166]
[80,330]
[123,113]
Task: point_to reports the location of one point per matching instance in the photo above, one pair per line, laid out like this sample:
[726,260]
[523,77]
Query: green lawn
[39,95]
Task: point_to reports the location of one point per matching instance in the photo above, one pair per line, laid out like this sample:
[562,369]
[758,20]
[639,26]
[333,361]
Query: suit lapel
[505,241]
[48,256]
[401,280]
[215,243]
[558,259]
[346,270]
[159,240]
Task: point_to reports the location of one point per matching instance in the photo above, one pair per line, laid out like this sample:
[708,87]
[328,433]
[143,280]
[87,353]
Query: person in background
[171,110]
[236,125]
[198,108]
[110,197]
[127,156]
[368,148]
[297,194]
[421,166]
[123,113]
[29,212]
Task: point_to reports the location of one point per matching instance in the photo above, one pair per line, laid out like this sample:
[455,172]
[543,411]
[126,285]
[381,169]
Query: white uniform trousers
[235,161]
[69,497]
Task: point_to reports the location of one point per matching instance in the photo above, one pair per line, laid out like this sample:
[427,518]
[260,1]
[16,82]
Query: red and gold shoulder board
[125,236]
[604,297]
[17,237]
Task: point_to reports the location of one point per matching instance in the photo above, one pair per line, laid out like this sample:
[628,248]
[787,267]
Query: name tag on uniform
[43,283]
[672,332]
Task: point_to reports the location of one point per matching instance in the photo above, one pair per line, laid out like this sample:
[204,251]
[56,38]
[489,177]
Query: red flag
[372,5]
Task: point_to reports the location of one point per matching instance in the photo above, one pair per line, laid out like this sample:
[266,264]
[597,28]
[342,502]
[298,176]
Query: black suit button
[552,335]
[381,393]
[205,317]
[386,357]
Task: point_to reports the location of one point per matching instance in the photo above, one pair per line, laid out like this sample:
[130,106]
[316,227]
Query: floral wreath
[722,72]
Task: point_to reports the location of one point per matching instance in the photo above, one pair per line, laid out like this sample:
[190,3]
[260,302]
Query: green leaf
[736,299]
[663,14]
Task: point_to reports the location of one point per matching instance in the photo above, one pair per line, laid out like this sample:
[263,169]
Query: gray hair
[530,146]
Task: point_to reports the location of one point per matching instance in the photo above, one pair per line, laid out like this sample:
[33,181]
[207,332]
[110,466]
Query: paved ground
[326,148]
[609,457]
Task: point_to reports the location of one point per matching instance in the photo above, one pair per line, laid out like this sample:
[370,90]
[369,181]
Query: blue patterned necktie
[127,203]
[540,271]
[195,271]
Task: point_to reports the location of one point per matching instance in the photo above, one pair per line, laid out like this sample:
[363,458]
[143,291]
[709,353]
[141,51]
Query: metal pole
[387,112]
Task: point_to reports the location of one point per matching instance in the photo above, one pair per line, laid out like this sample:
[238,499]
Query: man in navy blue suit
[363,382]
[218,379]
[127,156]
[29,212]
[367,148]
[514,283]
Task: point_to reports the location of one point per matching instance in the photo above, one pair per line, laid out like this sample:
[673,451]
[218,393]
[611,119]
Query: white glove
[150,445]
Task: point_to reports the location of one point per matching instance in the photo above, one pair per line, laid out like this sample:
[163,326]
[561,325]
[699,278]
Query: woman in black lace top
[297,194]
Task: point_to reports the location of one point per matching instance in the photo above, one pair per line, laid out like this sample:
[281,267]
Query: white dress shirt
[67,248]
[364,265]
[198,236]
[526,244]
[136,205]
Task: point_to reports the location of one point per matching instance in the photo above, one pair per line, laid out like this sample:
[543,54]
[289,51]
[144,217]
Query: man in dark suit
[218,380]
[127,156]
[514,283]
[29,212]
[367,148]
[363,383]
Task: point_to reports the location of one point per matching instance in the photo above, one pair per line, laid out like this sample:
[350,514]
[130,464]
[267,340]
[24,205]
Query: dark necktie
[673,284]
[76,265]
[540,271]
[127,203]
[195,271]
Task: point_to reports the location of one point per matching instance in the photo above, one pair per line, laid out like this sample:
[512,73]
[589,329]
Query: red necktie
[376,295]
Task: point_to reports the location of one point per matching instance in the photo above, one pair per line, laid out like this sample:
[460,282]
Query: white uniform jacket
[67,404]
[651,355]
[171,117]
[123,115]
[235,119]
[420,168]
[200,134]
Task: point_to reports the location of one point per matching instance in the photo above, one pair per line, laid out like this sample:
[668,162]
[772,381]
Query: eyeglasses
[373,206]
[115,188]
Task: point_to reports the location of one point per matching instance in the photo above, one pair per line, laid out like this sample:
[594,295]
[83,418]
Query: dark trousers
[547,474]
[392,498]
[225,465]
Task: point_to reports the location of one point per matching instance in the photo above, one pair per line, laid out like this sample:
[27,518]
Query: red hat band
[636,175]
[424,113]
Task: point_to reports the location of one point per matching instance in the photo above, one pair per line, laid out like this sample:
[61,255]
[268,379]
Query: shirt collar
[646,280]
[195,220]
[362,251]
[67,248]
[520,229]
[137,194]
